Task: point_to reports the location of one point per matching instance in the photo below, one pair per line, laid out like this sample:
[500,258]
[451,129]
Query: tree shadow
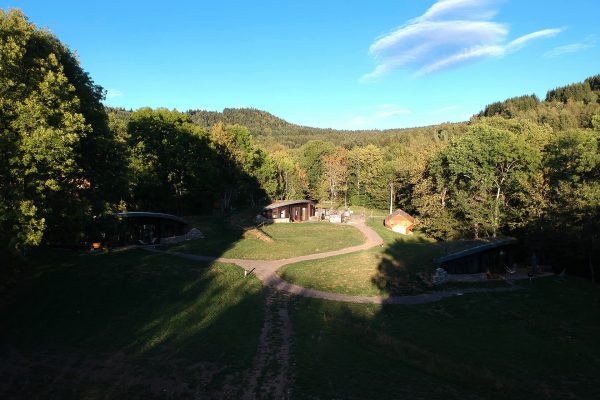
[408,261]
[130,324]
[455,348]
[404,266]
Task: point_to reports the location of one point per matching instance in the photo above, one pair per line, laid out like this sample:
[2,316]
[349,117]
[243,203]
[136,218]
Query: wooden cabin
[289,211]
[491,257]
[400,222]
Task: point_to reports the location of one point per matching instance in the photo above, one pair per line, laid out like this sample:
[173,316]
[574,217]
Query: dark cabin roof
[478,249]
[144,214]
[278,204]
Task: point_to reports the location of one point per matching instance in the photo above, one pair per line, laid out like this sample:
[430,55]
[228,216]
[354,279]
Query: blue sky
[339,64]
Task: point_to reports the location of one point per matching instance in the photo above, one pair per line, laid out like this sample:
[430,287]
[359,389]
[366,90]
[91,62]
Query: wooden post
[391,196]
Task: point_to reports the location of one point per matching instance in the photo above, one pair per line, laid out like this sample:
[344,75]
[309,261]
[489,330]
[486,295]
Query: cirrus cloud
[374,115]
[588,43]
[449,33]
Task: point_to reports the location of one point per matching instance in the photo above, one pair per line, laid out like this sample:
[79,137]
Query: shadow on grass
[407,261]
[405,265]
[538,343]
[129,325]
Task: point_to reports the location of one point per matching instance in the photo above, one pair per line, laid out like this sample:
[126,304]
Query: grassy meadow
[270,242]
[394,268]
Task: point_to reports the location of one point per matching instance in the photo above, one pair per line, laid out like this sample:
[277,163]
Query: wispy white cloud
[374,115]
[558,51]
[520,42]
[389,110]
[442,110]
[453,9]
[112,93]
[449,33]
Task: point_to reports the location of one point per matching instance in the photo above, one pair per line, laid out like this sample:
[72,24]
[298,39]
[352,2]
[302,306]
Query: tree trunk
[496,215]
[444,191]
[285,189]
[391,197]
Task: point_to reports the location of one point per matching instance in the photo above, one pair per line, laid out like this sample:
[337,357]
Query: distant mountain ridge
[570,106]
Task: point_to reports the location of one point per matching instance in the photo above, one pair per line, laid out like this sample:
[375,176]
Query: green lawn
[537,343]
[394,268]
[128,325]
[288,240]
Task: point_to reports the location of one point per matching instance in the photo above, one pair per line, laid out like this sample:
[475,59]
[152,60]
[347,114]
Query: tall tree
[487,170]
[310,158]
[172,165]
[572,165]
[54,138]
[335,174]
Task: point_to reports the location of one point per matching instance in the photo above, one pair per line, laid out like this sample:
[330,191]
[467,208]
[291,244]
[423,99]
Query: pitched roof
[400,213]
[144,214]
[478,249]
[286,203]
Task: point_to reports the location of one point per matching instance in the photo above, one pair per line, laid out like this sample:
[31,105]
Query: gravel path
[270,374]
[266,271]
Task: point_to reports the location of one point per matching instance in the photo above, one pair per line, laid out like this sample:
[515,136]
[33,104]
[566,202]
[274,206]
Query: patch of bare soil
[258,234]
[270,377]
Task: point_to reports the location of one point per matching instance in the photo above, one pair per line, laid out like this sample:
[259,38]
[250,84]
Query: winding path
[266,271]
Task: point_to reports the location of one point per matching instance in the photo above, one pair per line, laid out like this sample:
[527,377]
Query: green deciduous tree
[172,164]
[54,138]
[310,157]
[488,170]
[335,174]
[572,166]
[291,179]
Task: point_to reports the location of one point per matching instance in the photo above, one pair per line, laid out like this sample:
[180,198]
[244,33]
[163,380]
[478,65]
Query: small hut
[493,256]
[289,211]
[400,222]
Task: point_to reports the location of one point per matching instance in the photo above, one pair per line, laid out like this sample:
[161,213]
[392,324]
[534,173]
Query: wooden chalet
[289,211]
[399,221]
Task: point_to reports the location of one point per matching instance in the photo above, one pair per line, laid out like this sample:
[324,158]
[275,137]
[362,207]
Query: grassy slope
[158,315]
[379,271]
[289,240]
[537,343]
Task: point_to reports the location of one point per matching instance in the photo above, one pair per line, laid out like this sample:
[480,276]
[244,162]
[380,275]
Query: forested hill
[567,107]
[269,129]
[263,126]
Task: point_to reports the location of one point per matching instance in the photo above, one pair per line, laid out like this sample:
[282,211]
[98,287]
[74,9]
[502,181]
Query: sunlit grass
[370,272]
[285,240]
